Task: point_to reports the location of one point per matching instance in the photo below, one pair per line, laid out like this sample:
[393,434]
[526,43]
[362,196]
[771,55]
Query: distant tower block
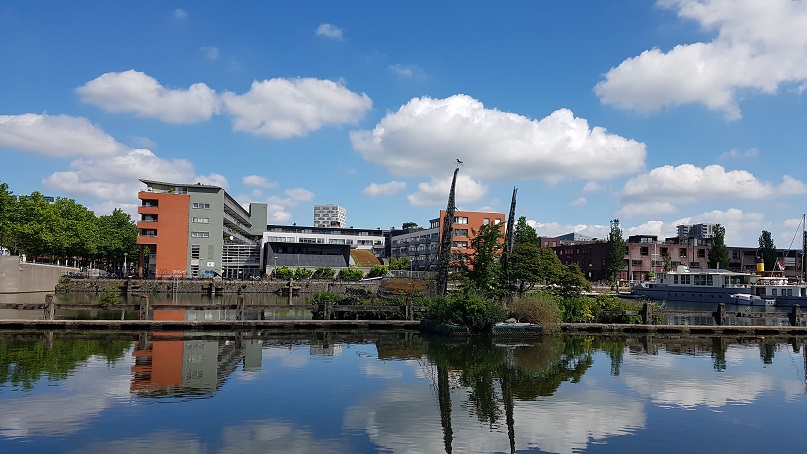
[329,216]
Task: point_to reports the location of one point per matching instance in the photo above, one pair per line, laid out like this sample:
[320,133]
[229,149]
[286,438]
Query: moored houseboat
[707,285]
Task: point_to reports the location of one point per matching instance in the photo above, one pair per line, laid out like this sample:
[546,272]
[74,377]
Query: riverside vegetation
[535,288]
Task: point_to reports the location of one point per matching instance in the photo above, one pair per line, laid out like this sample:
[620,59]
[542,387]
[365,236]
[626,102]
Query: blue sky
[656,113]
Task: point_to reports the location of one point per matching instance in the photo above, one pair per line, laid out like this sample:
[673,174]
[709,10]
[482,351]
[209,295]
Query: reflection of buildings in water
[169,363]
[326,349]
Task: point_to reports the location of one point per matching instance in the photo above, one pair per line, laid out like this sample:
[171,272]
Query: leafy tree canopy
[524,233]
[483,267]
[718,254]
[615,260]
[767,249]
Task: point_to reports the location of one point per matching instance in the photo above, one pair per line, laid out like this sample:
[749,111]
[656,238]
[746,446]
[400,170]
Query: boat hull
[789,301]
[698,294]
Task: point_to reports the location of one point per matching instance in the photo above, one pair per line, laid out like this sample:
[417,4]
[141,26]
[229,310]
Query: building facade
[645,256]
[314,247]
[197,230]
[330,216]
[423,245]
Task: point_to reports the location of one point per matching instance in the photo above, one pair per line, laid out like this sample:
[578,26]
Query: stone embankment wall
[218,286]
[24,277]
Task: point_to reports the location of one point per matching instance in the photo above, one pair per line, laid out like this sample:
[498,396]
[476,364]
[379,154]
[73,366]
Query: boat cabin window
[675,279]
[773,292]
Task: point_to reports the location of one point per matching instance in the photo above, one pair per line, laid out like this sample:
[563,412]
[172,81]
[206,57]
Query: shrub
[324,273]
[378,271]
[319,297]
[351,274]
[604,303]
[538,307]
[282,272]
[469,310]
[577,309]
[302,273]
[108,297]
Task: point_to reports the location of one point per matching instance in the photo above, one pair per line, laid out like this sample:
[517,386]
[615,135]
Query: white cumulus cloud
[257,181]
[59,136]
[758,47]
[210,52]
[390,188]
[329,31]
[687,182]
[435,192]
[426,134]
[140,94]
[283,108]
[116,178]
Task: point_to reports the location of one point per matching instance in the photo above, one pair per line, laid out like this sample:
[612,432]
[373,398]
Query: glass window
[485,221]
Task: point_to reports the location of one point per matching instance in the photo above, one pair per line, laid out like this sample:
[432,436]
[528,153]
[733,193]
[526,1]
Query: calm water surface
[398,392]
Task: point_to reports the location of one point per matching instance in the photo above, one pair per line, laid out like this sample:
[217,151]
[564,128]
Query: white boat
[706,285]
[781,290]
[747,299]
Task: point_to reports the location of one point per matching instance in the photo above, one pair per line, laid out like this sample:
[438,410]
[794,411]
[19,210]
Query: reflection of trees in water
[766,352]
[496,375]
[719,346]
[24,360]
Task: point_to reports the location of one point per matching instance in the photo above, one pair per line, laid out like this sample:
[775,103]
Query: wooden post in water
[720,315]
[647,313]
[795,315]
[50,308]
[326,309]
[239,314]
[409,311]
[144,307]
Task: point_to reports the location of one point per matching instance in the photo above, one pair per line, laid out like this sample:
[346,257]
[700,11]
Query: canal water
[398,392]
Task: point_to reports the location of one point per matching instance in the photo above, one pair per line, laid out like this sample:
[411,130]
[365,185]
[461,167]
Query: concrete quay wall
[205,286]
[24,277]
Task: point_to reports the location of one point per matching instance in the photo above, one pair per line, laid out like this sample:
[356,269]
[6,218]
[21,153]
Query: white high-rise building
[329,216]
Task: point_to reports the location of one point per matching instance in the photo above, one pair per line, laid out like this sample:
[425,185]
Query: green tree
[532,265]
[74,230]
[31,226]
[401,263]
[378,271]
[282,272]
[667,261]
[7,209]
[572,281]
[408,225]
[324,273]
[524,233]
[767,250]
[351,274]
[615,260]
[117,235]
[718,254]
[483,267]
